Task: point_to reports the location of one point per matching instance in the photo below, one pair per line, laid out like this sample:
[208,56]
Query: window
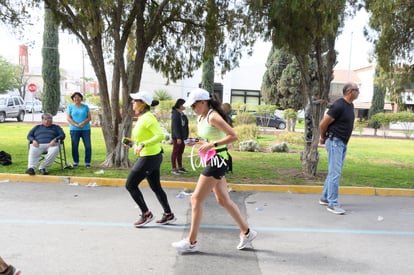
[251,97]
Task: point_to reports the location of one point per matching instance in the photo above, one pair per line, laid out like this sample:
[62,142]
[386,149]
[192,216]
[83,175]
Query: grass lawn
[373,162]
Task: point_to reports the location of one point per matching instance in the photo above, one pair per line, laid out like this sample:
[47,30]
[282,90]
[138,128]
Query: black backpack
[5,158]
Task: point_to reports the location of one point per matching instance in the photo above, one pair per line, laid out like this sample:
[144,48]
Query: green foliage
[290,114]
[238,107]
[265,110]
[392,24]
[17,13]
[8,76]
[50,67]
[405,118]
[162,95]
[306,28]
[282,82]
[92,99]
[163,110]
[246,132]
[291,137]
[168,35]
[244,118]
[378,99]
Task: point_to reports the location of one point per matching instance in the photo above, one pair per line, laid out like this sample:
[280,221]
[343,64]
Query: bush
[246,132]
[291,137]
[244,118]
[280,148]
[249,146]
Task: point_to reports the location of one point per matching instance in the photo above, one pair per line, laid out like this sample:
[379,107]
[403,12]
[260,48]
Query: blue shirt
[44,135]
[79,114]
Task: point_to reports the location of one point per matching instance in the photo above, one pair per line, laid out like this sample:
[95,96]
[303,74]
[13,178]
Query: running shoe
[167,219]
[182,170]
[175,172]
[246,239]
[323,202]
[144,220]
[11,270]
[30,171]
[184,246]
[336,210]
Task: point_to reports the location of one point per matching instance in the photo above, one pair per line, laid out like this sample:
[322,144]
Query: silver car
[34,106]
[12,106]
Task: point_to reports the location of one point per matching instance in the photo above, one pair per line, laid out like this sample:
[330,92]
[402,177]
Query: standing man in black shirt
[336,129]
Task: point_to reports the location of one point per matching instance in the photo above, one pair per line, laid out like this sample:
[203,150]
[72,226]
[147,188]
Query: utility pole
[350,57]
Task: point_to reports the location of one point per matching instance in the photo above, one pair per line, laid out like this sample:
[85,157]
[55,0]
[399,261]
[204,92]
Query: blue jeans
[86,138]
[336,149]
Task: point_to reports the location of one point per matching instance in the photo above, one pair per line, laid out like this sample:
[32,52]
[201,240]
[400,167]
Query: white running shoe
[184,246]
[246,239]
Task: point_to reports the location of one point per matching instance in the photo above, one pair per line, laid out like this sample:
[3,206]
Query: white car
[34,106]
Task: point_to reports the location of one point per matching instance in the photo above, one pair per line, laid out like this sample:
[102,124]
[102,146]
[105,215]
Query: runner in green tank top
[215,130]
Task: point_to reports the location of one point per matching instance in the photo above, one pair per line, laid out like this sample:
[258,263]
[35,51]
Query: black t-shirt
[343,113]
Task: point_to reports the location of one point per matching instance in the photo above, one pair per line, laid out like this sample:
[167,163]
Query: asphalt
[59,225]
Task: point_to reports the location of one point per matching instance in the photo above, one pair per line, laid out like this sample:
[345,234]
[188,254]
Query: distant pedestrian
[213,127]
[179,132]
[8,269]
[229,112]
[79,116]
[336,129]
[146,137]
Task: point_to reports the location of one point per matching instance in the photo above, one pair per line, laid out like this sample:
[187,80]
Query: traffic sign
[32,87]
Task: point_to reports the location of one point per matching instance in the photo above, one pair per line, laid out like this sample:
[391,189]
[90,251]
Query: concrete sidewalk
[65,228]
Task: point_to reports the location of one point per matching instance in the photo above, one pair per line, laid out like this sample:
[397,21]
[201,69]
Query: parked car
[270,121]
[34,106]
[12,106]
[62,107]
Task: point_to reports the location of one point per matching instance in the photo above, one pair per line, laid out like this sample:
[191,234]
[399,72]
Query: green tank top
[210,133]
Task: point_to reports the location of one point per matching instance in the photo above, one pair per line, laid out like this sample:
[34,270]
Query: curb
[300,189]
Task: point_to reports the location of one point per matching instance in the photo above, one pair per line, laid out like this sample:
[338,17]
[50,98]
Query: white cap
[144,96]
[196,95]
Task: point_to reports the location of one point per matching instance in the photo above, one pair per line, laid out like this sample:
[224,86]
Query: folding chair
[61,158]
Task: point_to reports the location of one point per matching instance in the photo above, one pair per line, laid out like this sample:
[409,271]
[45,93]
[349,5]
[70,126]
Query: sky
[352,46]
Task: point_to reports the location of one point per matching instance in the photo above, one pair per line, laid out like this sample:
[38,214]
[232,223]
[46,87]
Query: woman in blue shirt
[79,116]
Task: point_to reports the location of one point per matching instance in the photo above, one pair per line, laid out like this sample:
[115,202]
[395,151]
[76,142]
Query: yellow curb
[301,189]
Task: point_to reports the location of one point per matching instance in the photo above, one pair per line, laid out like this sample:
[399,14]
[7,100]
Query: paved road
[65,229]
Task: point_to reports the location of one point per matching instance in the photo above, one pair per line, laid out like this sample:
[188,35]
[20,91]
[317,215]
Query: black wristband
[216,144]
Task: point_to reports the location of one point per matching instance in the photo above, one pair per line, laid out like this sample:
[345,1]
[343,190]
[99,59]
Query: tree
[8,76]
[391,30]
[16,12]
[308,28]
[229,27]
[392,25]
[167,34]
[50,68]
[378,100]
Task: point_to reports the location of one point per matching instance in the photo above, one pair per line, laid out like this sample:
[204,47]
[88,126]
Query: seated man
[44,138]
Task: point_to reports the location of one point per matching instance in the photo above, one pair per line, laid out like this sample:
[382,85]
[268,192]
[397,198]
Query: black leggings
[147,167]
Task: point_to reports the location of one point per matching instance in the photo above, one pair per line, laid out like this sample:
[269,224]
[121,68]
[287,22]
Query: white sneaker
[246,239]
[184,246]
[336,210]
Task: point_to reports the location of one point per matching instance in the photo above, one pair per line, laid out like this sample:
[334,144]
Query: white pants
[36,152]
